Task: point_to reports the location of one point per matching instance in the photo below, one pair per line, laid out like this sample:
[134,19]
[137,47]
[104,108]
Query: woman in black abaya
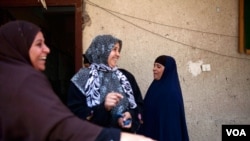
[164,116]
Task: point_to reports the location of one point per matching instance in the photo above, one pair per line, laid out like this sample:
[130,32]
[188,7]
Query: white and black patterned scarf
[93,85]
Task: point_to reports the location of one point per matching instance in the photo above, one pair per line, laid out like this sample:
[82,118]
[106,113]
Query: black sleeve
[101,116]
[109,134]
[77,104]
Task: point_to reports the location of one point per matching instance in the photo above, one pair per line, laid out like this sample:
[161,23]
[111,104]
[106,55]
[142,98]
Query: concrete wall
[194,32]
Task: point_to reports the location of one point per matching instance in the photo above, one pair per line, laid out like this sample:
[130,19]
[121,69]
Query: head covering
[103,79]
[17,36]
[164,116]
[100,48]
[161,60]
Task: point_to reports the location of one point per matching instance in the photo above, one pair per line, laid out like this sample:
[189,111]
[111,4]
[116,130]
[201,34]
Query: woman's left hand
[122,120]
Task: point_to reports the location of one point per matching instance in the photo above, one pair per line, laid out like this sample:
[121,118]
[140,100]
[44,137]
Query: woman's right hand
[134,137]
[111,100]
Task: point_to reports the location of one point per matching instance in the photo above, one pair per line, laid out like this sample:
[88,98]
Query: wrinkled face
[114,55]
[158,71]
[38,52]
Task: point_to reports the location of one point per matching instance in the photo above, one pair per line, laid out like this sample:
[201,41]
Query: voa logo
[236,132]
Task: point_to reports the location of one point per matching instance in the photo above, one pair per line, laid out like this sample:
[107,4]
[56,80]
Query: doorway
[59,28]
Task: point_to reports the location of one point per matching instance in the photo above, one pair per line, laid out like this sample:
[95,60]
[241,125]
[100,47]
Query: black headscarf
[17,36]
[161,59]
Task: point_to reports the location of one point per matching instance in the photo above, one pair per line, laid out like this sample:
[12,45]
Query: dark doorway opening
[58,26]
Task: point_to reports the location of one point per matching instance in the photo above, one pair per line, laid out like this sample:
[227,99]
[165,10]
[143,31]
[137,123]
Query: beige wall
[220,96]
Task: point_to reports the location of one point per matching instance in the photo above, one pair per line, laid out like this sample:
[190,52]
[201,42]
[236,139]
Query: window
[244,31]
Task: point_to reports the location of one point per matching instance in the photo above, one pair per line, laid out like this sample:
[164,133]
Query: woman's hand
[111,100]
[125,116]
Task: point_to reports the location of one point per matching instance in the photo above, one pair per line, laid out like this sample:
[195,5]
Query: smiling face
[38,52]
[158,71]
[114,55]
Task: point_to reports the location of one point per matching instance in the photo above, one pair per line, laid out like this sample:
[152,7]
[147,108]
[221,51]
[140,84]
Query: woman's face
[158,71]
[38,52]
[114,55]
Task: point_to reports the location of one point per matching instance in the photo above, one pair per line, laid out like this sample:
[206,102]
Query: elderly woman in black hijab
[164,114]
[29,109]
[101,93]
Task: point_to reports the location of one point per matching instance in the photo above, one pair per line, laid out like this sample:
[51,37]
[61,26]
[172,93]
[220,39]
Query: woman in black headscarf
[29,109]
[102,93]
[164,116]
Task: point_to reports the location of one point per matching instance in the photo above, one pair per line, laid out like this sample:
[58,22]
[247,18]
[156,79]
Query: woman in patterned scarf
[101,93]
